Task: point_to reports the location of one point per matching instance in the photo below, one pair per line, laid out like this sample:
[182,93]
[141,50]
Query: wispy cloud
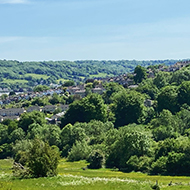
[14,1]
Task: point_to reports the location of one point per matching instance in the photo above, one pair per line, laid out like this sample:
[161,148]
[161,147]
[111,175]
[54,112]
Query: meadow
[14,81]
[71,176]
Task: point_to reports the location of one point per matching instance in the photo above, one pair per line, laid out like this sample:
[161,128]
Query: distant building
[63,107]
[49,108]
[11,112]
[33,108]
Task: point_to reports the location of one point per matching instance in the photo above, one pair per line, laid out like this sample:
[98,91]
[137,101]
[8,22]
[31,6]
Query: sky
[42,30]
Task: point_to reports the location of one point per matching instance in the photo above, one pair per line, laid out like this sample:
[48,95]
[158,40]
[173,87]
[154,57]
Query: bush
[41,160]
[79,151]
[96,160]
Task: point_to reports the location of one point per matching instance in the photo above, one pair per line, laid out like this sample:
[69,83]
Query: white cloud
[14,1]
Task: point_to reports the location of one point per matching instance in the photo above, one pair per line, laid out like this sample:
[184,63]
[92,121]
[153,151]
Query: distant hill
[15,74]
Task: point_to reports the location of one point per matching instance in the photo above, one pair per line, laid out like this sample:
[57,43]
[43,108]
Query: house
[148,103]
[63,107]
[33,108]
[72,90]
[11,112]
[82,93]
[58,116]
[49,108]
[97,90]
[11,118]
[133,86]
[1,118]
[55,119]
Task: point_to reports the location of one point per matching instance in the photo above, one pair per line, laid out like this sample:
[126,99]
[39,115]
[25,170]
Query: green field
[103,75]
[72,177]
[36,76]
[63,80]
[12,81]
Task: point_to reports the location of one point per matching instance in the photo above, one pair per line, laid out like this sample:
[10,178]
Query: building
[33,108]
[11,112]
[49,108]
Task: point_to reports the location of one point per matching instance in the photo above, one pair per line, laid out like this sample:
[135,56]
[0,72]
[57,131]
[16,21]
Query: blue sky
[94,29]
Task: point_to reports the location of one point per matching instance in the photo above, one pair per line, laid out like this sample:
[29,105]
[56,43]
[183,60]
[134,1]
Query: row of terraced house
[15,113]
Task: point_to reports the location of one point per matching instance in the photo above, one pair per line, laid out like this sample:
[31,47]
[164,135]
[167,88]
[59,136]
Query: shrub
[40,160]
[96,160]
[79,151]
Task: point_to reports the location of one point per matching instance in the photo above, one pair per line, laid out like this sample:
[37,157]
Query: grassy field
[72,177]
[63,80]
[100,75]
[12,81]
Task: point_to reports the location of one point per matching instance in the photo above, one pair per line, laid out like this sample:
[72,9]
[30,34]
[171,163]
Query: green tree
[111,89]
[132,140]
[69,136]
[184,93]
[140,74]
[79,151]
[128,107]
[147,86]
[89,108]
[27,119]
[96,159]
[40,88]
[69,83]
[167,99]
[162,79]
[41,159]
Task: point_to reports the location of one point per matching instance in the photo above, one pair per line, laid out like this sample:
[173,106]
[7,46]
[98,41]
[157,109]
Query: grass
[100,75]
[72,177]
[62,80]
[36,76]
[12,81]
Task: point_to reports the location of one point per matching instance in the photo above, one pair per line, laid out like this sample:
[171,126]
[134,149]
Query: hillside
[15,74]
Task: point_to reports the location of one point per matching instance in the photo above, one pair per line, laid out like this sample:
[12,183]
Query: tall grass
[72,176]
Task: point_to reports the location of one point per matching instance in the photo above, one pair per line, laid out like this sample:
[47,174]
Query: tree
[40,88]
[69,136]
[162,79]
[96,159]
[41,159]
[79,151]
[140,74]
[167,99]
[111,89]
[128,107]
[147,86]
[89,108]
[27,119]
[69,83]
[132,140]
[55,99]
[12,93]
[184,93]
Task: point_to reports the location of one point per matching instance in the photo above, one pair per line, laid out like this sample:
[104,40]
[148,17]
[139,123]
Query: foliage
[167,99]
[40,88]
[140,74]
[96,160]
[41,159]
[128,107]
[130,142]
[28,74]
[79,151]
[27,119]
[89,108]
